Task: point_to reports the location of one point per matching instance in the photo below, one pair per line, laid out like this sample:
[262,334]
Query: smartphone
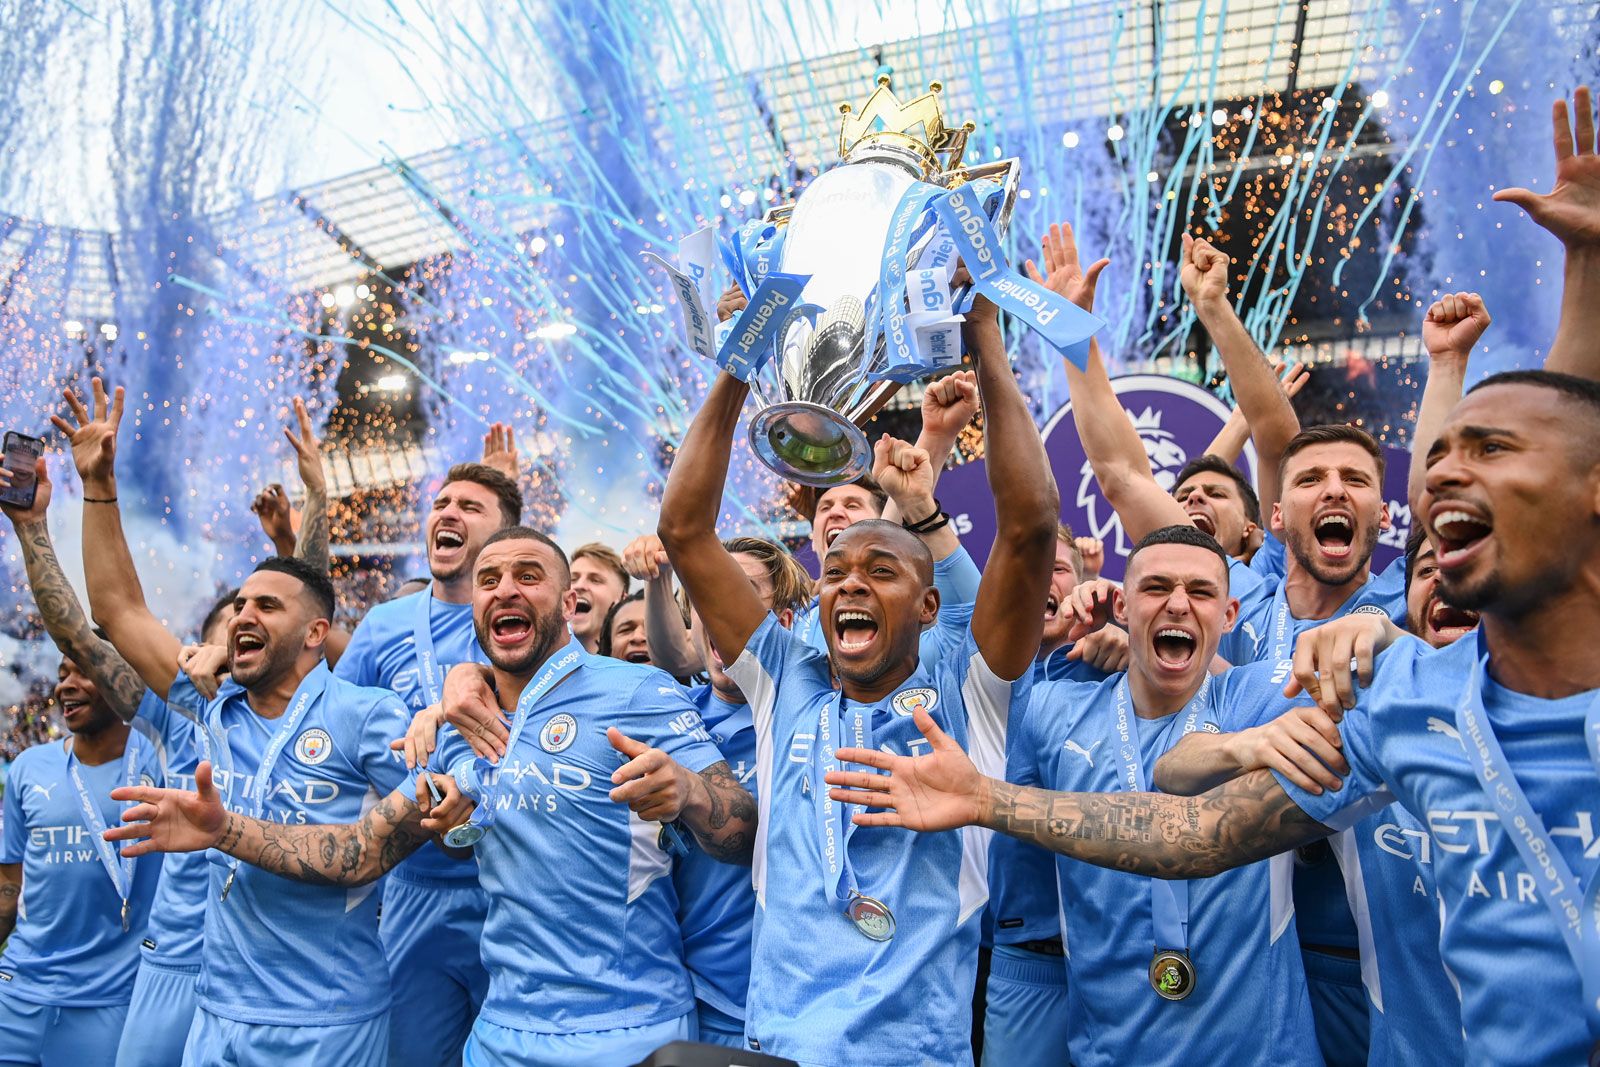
[21,455]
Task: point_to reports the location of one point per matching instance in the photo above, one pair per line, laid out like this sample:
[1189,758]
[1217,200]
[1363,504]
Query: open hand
[939,790]
[170,820]
[94,437]
[1063,272]
[307,450]
[1571,209]
[500,449]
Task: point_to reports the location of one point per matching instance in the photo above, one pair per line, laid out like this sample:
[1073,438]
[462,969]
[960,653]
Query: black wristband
[937,521]
[99,500]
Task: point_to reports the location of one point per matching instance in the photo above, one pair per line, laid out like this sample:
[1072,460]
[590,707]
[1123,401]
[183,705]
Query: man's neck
[457,590]
[1150,702]
[1549,652]
[101,746]
[1313,599]
[1047,649]
[271,698]
[729,694]
[872,692]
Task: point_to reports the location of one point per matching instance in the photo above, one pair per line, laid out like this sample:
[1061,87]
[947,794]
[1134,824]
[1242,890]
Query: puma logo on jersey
[1439,726]
[45,789]
[1086,753]
[1250,632]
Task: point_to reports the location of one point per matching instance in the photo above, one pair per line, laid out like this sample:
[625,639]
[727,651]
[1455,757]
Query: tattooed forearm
[68,624]
[347,855]
[313,544]
[727,829]
[1236,823]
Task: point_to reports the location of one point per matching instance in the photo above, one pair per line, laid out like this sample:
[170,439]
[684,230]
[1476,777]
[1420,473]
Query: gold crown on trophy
[917,127]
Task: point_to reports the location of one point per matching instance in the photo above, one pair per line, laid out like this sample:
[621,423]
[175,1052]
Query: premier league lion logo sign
[1175,420]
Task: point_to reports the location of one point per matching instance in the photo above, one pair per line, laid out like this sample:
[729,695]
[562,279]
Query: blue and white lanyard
[562,664]
[310,689]
[429,675]
[1169,899]
[1576,908]
[118,867]
[834,826]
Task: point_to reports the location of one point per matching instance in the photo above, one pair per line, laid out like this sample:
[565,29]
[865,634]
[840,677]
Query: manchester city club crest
[558,733]
[313,746]
[911,701]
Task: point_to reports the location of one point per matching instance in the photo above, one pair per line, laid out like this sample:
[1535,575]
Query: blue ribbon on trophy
[850,293]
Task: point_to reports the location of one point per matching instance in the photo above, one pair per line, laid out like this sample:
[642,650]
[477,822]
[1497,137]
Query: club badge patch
[558,733]
[911,701]
[313,747]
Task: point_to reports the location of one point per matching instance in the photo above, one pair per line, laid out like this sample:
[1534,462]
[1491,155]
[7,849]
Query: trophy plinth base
[810,444]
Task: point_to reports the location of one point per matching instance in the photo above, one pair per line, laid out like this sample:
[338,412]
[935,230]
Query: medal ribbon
[429,676]
[307,693]
[1558,888]
[1169,899]
[476,769]
[834,827]
[118,867]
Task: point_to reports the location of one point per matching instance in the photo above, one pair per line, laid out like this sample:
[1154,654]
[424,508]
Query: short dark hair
[1333,433]
[1210,463]
[504,489]
[1414,542]
[527,533]
[919,553]
[224,602]
[603,646]
[317,582]
[806,496]
[1583,391]
[607,557]
[1182,535]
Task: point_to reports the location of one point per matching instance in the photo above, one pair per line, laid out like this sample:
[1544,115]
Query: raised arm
[1235,433]
[175,820]
[1027,510]
[313,543]
[1239,822]
[1571,211]
[1261,397]
[716,584]
[1121,465]
[1450,329]
[64,618]
[116,600]
[665,633]
[948,405]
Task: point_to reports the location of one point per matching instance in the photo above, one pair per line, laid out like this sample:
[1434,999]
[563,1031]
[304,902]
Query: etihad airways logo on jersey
[800,747]
[64,844]
[286,793]
[1472,833]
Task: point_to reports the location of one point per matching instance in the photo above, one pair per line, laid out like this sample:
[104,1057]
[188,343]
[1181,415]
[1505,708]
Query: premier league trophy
[849,287]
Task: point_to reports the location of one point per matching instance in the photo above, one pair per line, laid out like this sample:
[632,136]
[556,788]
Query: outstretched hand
[170,820]
[500,449]
[940,790]
[1063,271]
[1571,209]
[94,437]
[307,449]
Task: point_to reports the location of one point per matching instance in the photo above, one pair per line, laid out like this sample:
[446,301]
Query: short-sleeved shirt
[278,951]
[176,930]
[1521,996]
[383,653]
[581,932]
[1250,1004]
[820,991]
[68,947]
[716,900]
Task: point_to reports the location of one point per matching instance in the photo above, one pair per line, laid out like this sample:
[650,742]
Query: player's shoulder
[1411,669]
[344,697]
[621,676]
[1058,705]
[391,614]
[38,759]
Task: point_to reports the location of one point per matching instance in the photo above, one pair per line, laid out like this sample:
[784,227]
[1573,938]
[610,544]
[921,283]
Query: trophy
[849,286]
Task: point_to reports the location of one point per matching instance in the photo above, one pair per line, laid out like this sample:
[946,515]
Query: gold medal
[1172,975]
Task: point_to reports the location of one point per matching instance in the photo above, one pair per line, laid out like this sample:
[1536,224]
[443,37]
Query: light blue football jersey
[176,930]
[717,901]
[69,948]
[1266,629]
[1250,1004]
[383,653]
[820,991]
[1024,904]
[278,951]
[956,577]
[1521,997]
[582,933]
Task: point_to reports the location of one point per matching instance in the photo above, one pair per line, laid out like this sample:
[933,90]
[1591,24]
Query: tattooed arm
[351,854]
[10,894]
[313,543]
[64,617]
[718,810]
[1236,823]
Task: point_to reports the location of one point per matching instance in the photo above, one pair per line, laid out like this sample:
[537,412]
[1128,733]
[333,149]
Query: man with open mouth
[1487,741]
[433,907]
[866,943]
[623,635]
[600,582]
